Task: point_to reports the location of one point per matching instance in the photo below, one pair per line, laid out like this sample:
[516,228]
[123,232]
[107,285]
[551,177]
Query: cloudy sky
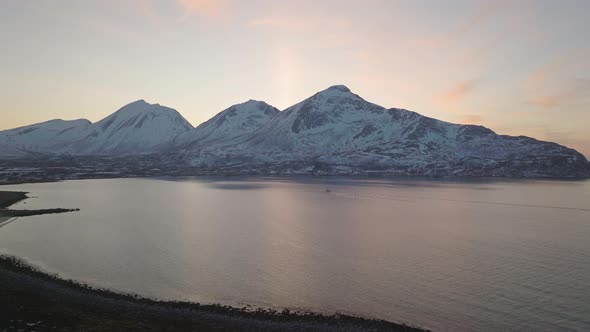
[519,67]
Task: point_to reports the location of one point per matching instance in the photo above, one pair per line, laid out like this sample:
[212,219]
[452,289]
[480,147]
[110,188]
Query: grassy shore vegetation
[32,300]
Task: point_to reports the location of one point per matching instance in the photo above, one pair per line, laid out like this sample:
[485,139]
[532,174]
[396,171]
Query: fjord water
[447,255]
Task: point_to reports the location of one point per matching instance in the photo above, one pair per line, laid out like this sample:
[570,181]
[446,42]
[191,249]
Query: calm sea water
[451,256]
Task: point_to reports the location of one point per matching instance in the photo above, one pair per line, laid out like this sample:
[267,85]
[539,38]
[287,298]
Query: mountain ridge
[229,124]
[334,127]
[339,128]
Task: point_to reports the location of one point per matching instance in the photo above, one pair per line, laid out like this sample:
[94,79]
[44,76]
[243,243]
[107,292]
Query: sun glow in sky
[519,67]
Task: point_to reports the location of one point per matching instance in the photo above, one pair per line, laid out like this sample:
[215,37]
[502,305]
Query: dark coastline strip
[8,198]
[29,296]
[26,213]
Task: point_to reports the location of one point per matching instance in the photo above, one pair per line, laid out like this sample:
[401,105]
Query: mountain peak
[251,102]
[250,106]
[138,102]
[236,120]
[136,105]
[335,91]
[135,128]
[141,106]
[341,88]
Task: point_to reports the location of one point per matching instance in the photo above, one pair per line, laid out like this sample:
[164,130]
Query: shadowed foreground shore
[31,300]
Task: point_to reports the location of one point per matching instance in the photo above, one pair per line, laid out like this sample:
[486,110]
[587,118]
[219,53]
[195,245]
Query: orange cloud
[547,101]
[576,91]
[209,8]
[146,8]
[450,101]
[552,84]
[458,92]
[305,29]
[481,15]
[271,22]
[470,119]
[308,22]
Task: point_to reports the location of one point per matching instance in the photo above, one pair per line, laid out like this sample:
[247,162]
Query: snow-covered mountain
[229,125]
[330,121]
[332,132]
[138,127]
[45,137]
[337,128]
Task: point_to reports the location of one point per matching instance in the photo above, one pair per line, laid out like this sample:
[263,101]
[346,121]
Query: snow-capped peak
[138,106]
[235,121]
[341,88]
[44,137]
[335,91]
[135,127]
[252,106]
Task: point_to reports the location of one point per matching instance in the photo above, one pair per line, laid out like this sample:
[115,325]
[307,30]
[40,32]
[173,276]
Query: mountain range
[334,130]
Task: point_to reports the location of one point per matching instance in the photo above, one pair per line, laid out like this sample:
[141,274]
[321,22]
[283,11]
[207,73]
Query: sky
[518,67]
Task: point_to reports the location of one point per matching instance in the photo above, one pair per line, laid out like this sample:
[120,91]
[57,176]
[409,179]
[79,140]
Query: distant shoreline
[293,176]
[33,299]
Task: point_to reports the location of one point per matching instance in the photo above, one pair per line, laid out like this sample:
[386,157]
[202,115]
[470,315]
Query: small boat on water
[328,190]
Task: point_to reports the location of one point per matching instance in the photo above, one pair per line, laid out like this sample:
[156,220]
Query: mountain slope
[138,127]
[228,125]
[44,137]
